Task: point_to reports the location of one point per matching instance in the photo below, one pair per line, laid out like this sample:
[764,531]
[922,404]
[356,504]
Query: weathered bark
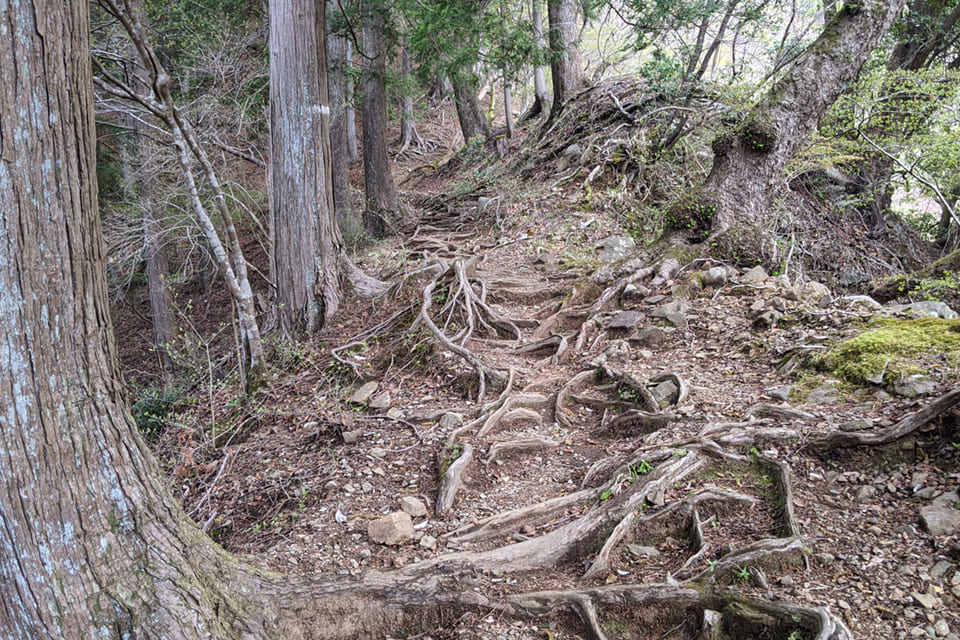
[408,125]
[382,201]
[473,123]
[565,66]
[541,98]
[306,241]
[340,158]
[351,113]
[734,201]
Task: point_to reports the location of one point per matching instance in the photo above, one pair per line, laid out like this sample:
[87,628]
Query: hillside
[595,438]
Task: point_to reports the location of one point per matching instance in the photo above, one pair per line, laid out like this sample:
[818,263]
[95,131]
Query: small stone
[615,248]
[826,559]
[941,628]
[865,494]
[313,424]
[715,277]
[815,292]
[755,276]
[393,529]
[649,337]
[363,394]
[633,292]
[940,521]
[858,424]
[665,392]
[450,420]
[781,393]
[349,488]
[640,551]
[428,542]
[926,600]
[767,320]
[366,487]
[395,413]
[381,402]
[349,437]
[824,394]
[377,452]
[787,581]
[940,569]
[913,386]
[624,321]
[413,506]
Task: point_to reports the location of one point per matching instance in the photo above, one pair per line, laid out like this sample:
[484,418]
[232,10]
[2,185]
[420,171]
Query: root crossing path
[618,451]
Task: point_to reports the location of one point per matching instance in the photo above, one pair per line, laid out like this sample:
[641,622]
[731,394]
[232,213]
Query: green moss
[896,348]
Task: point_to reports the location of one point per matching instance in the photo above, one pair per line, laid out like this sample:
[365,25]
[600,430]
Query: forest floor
[686,402]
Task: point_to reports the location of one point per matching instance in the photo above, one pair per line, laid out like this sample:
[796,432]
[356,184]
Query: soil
[292,477]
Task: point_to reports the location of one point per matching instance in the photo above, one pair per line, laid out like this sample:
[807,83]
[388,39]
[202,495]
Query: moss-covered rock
[896,348]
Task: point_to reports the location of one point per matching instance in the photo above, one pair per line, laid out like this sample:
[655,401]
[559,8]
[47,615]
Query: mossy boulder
[894,349]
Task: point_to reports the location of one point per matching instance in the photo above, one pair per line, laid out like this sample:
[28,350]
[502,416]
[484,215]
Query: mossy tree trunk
[733,204]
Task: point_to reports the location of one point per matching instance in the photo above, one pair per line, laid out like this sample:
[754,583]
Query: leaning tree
[733,206]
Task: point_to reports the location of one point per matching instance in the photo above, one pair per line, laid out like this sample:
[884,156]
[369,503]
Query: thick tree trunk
[733,203]
[337,47]
[351,114]
[306,242]
[382,201]
[473,123]
[565,67]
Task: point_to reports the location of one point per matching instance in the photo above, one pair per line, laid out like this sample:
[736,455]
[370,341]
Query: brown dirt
[273,478]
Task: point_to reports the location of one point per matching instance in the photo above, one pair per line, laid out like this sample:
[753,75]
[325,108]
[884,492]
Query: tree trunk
[473,123]
[351,114]
[382,201]
[733,203]
[408,125]
[306,241]
[541,100]
[565,67]
[337,47]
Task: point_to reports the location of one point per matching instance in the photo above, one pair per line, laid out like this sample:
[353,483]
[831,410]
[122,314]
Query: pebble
[941,628]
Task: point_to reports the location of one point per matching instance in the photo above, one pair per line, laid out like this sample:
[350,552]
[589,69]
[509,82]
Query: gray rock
[668,269]
[450,420]
[381,402]
[913,386]
[781,393]
[649,337]
[377,452]
[395,413]
[413,506]
[615,248]
[940,569]
[865,302]
[363,394]
[824,394]
[673,307]
[665,393]
[947,499]
[865,494]
[926,600]
[634,292]
[815,292]
[941,628]
[755,276]
[926,309]
[767,320]
[428,542]
[624,321]
[940,521]
[393,529]
[715,277]
[640,551]
[859,424]
[349,437]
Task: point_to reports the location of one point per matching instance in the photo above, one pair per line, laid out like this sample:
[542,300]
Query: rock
[665,392]
[413,506]
[394,413]
[715,277]
[633,292]
[624,321]
[865,302]
[393,529]
[615,248]
[926,309]
[640,551]
[865,494]
[428,542]
[675,307]
[947,499]
[940,521]
[617,350]
[781,393]
[543,257]
[313,424]
[824,394]
[913,386]
[815,292]
[381,402]
[755,276]
[712,626]
[926,600]
[349,437]
[377,452]
[940,569]
[649,337]
[450,420]
[858,424]
[363,394]
[767,320]
[667,270]
[941,628]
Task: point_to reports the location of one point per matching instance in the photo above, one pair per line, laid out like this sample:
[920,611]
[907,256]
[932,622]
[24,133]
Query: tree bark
[565,67]
[337,47]
[473,123]
[306,241]
[382,201]
[733,203]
